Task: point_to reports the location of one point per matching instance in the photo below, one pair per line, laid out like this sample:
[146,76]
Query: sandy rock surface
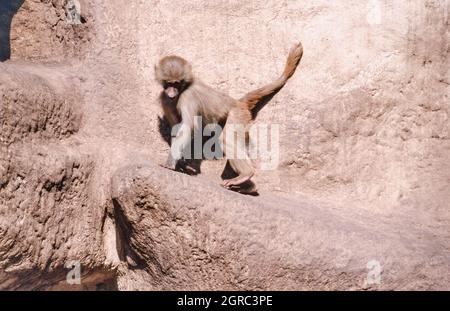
[362,188]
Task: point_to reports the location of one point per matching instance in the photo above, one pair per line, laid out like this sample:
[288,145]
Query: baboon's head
[174,73]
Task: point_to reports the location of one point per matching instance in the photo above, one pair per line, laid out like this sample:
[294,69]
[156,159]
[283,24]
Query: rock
[48,216]
[359,199]
[37,103]
[43,29]
[215,239]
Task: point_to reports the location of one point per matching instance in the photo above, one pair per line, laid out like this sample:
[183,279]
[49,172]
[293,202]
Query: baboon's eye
[175,84]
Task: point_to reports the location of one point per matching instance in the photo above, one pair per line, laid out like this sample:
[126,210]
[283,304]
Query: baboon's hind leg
[234,137]
[243,168]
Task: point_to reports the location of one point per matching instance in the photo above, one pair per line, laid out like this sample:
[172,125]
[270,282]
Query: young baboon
[184,97]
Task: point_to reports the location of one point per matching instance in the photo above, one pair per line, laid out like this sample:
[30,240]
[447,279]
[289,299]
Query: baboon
[184,97]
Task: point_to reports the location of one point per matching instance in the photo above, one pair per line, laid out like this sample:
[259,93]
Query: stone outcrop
[359,199]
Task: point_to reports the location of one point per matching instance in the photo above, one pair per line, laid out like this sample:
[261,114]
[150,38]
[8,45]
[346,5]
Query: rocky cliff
[359,200]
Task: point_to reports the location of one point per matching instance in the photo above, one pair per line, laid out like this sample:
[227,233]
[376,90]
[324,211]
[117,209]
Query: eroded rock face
[177,239]
[39,111]
[364,146]
[46,30]
[46,216]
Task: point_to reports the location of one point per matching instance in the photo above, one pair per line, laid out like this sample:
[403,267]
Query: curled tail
[257,99]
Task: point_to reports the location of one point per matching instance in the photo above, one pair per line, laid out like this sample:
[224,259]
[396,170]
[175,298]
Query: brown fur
[294,57]
[197,99]
[170,111]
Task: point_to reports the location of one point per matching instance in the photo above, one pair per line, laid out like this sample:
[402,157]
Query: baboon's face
[174,74]
[173,88]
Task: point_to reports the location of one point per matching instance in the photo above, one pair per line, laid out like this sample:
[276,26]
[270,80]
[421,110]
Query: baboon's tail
[257,99]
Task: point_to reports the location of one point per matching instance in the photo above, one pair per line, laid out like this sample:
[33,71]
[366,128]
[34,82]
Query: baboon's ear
[188,76]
